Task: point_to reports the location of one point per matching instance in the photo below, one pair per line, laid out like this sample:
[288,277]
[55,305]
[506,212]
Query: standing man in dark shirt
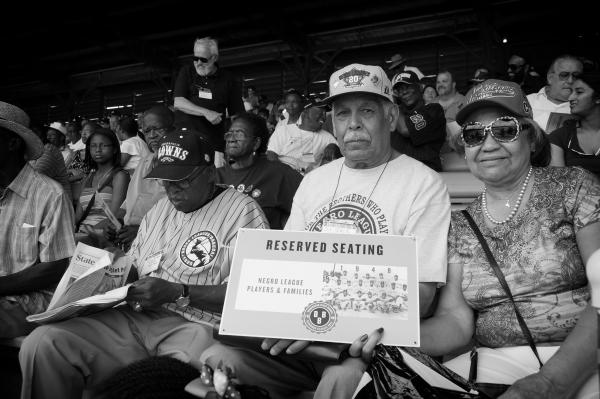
[205,95]
[421,129]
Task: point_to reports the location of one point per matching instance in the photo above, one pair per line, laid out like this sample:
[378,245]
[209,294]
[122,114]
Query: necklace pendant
[507,204]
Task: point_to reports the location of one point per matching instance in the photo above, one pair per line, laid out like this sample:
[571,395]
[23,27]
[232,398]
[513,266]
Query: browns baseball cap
[495,92]
[179,154]
[407,77]
[359,78]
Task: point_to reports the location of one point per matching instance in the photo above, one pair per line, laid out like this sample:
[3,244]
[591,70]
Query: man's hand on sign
[275,346]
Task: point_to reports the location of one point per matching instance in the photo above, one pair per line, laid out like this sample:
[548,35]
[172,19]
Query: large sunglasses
[203,60]
[564,75]
[503,129]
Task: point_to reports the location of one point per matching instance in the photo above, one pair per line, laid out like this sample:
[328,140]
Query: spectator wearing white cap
[36,226]
[409,199]
[57,135]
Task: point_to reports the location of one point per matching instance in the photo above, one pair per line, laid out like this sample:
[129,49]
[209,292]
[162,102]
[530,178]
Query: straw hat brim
[34,145]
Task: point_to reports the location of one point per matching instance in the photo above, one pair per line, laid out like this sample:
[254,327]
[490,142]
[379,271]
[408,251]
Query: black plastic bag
[393,379]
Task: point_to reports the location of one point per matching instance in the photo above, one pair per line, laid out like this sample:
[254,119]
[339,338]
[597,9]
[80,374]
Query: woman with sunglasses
[541,225]
[577,142]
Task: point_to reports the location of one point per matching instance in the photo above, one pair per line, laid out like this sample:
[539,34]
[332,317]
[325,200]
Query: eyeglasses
[564,76]
[155,130]
[203,60]
[237,135]
[100,147]
[503,129]
[514,67]
[183,184]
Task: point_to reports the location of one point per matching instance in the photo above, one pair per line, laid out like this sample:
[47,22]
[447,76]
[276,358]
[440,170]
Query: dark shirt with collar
[220,92]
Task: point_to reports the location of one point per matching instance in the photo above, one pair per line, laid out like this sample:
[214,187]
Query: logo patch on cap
[354,78]
[169,151]
[526,107]
[493,89]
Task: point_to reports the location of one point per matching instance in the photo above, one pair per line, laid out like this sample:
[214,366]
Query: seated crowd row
[541,224]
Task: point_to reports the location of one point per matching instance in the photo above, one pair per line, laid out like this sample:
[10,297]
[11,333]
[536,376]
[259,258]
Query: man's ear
[257,143]
[392,116]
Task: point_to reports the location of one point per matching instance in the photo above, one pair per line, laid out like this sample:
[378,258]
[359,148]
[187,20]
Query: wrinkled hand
[152,292]
[126,235]
[364,346]
[109,232]
[532,387]
[276,346]
[213,117]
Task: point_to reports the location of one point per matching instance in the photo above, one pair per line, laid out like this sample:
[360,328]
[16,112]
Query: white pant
[507,365]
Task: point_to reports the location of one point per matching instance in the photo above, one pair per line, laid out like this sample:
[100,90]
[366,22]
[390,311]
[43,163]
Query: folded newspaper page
[94,280]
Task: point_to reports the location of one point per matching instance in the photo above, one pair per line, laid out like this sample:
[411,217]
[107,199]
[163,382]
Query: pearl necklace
[513,212]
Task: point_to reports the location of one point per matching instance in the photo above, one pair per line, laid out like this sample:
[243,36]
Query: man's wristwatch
[184,299]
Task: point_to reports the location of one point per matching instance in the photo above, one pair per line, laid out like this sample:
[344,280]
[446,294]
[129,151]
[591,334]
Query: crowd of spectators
[183,179]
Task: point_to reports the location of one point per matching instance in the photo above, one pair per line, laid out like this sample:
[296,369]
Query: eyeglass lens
[201,59]
[565,75]
[502,130]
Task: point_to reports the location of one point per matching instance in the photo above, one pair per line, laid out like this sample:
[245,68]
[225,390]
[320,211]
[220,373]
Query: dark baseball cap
[407,77]
[495,92]
[179,154]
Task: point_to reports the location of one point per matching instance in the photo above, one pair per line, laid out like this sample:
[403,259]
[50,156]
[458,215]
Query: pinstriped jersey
[197,247]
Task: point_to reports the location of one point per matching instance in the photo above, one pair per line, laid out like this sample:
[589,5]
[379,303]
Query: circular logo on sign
[199,250]
[319,317]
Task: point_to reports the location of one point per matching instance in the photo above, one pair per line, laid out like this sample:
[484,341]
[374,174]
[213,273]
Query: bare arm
[558,156]
[120,183]
[152,292]
[452,325]
[574,362]
[125,157]
[184,105]
[40,276]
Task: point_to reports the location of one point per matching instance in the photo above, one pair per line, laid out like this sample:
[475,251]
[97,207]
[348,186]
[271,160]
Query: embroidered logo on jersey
[418,121]
[367,214]
[199,250]
[319,317]
[354,77]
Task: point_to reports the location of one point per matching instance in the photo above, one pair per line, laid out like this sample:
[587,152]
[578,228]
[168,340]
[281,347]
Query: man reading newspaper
[182,254]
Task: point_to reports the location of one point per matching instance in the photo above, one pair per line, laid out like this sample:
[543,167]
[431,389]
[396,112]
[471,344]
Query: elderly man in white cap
[374,190]
[36,226]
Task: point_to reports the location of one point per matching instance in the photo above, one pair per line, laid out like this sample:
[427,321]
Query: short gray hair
[209,43]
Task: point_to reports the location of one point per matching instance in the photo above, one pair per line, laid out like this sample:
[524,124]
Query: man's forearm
[40,276]
[208,297]
[184,105]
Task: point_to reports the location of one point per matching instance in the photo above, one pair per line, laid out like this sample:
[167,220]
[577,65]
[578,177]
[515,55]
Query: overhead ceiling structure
[58,56]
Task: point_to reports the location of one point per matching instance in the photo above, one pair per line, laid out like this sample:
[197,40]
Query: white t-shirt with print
[409,199]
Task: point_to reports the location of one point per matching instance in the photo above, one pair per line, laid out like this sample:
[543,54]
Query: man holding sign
[182,253]
[372,190]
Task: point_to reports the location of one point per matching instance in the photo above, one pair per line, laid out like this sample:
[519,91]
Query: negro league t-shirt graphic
[367,214]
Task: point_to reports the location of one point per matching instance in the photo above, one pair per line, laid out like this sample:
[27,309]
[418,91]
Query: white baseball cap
[358,78]
[59,127]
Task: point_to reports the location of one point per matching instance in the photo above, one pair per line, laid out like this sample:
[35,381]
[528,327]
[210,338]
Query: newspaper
[94,280]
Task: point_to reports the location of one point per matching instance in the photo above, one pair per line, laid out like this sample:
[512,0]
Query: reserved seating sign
[323,287]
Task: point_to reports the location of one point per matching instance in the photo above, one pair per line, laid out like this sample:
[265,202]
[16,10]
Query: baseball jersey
[195,248]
